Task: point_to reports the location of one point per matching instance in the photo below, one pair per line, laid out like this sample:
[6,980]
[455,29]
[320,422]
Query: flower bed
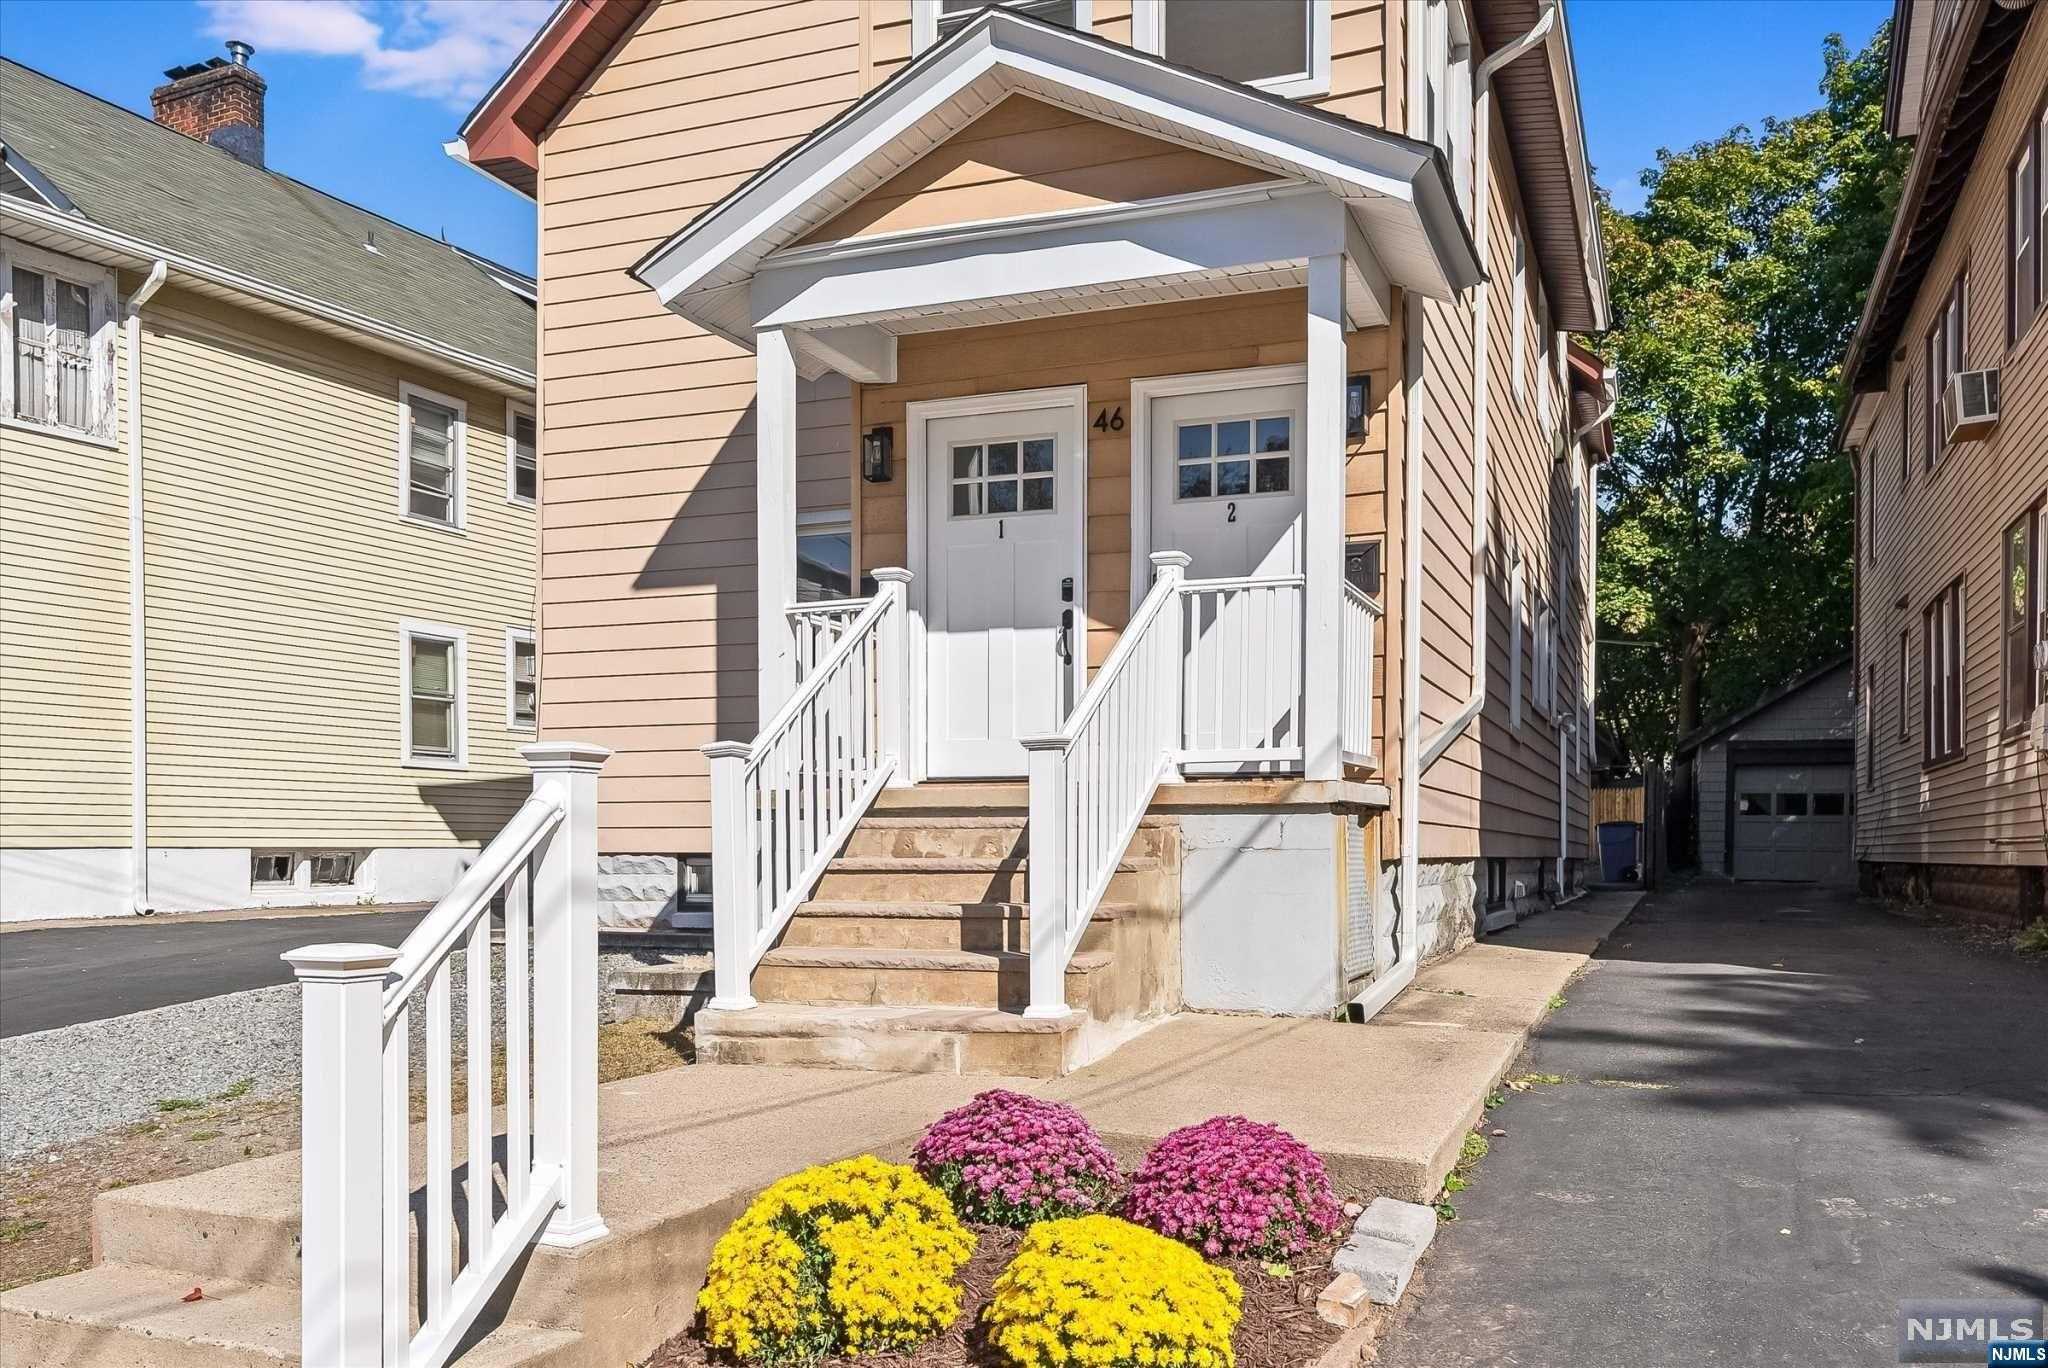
[1007,1159]
[1232,1186]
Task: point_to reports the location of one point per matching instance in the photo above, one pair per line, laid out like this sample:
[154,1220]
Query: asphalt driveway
[59,976]
[1783,1112]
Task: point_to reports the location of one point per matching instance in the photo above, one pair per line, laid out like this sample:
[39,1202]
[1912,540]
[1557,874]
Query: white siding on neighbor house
[1823,711]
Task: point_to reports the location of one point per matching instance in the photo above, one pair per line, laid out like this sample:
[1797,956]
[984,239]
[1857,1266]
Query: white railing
[818,627]
[1358,640]
[782,806]
[356,1160]
[1241,683]
[1093,779]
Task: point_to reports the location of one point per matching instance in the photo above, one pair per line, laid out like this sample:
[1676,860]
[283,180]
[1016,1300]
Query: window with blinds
[433,696]
[522,680]
[57,321]
[522,436]
[432,435]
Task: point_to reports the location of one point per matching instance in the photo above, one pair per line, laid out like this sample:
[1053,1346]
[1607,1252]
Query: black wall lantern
[1357,399]
[875,445]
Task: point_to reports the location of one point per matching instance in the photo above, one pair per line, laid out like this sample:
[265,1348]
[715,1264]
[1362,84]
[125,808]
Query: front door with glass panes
[1227,480]
[1002,600]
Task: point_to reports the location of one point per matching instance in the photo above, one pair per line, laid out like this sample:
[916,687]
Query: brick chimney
[218,101]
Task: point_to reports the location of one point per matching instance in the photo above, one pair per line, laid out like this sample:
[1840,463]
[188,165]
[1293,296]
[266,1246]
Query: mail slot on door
[1362,565]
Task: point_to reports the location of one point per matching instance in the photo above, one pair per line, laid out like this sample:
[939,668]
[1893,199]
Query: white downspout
[1564,834]
[1482,332]
[138,639]
[1612,390]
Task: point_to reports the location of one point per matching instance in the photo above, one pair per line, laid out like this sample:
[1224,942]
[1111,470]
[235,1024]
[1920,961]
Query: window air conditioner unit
[1969,407]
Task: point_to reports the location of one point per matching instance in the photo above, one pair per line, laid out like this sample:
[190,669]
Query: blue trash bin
[1618,849]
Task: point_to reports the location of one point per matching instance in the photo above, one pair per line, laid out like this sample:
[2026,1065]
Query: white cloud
[446,50]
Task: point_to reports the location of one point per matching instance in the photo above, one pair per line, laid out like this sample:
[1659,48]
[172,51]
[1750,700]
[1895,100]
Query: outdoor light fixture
[874,454]
[1357,399]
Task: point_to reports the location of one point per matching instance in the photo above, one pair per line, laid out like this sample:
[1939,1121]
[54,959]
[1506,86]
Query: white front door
[1003,593]
[1227,479]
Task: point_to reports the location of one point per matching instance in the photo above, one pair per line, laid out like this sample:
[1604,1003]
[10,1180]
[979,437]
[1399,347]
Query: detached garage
[1775,784]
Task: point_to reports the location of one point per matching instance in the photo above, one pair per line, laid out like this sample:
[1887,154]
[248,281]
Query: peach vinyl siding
[64,696]
[647,525]
[278,571]
[1921,534]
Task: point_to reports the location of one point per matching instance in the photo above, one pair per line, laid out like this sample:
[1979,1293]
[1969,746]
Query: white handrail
[1092,780]
[356,1188]
[819,626]
[1241,684]
[1359,627]
[782,806]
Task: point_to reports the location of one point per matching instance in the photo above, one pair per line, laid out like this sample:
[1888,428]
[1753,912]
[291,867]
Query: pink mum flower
[1008,1159]
[1232,1186]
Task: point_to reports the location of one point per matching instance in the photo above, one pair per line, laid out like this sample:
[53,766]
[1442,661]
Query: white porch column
[1323,684]
[775,515]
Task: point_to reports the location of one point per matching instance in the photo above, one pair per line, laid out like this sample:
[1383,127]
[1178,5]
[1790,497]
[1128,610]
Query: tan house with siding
[1948,425]
[266,522]
[1017,497]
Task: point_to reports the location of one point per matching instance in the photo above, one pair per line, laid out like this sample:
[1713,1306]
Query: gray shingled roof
[136,177]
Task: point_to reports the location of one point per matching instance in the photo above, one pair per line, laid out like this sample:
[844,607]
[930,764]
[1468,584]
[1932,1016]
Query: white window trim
[1517,605]
[459,476]
[518,636]
[408,631]
[1148,34]
[100,281]
[924,21]
[515,409]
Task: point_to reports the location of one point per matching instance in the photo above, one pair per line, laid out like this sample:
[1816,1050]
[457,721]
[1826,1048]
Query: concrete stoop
[913,955]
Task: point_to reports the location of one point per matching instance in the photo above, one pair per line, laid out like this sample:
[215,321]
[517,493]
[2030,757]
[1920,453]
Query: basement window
[333,868]
[1496,883]
[271,867]
[57,329]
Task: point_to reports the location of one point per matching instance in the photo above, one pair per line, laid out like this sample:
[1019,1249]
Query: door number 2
[1230,511]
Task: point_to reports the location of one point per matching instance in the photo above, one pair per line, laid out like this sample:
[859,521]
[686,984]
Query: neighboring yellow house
[301,438]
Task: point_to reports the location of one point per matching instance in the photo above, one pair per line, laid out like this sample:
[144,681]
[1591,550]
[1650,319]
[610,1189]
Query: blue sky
[364,92]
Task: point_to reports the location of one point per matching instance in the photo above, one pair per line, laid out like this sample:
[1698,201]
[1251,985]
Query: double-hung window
[522,455]
[1946,342]
[432,724]
[432,430]
[522,680]
[824,557]
[2026,228]
[57,324]
[1520,363]
[2019,619]
[1518,633]
[1280,46]
[1905,664]
[1941,676]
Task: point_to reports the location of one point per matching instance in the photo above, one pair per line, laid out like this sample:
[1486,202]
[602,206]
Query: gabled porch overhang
[1381,202]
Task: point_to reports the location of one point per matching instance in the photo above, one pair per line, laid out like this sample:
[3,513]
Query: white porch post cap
[564,755]
[1047,741]
[1161,559]
[726,750]
[342,960]
[892,574]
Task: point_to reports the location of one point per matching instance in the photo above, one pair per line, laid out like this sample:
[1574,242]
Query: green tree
[1727,518]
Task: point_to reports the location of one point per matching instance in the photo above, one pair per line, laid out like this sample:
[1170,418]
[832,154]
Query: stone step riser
[1014,1054]
[1005,989]
[968,842]
[1008,884]
[983,934]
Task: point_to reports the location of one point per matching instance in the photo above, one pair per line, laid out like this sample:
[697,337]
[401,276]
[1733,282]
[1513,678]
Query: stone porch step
[950,1040]
[881,878]
[984,835]
[121,1316]
[981,927]
[999,980]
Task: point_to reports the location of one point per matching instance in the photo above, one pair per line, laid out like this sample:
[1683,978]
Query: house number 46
[1108,419]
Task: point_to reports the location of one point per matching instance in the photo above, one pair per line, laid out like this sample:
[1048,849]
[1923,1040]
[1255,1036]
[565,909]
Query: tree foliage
[1727,518]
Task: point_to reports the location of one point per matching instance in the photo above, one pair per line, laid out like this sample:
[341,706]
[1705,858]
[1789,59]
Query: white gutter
[390,335]
[138,638]
[1482,332]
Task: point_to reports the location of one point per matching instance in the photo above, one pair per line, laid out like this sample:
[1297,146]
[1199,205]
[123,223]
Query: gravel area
[77,1081]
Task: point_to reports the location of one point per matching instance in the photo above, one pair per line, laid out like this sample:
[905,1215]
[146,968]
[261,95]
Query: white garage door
[1793,822]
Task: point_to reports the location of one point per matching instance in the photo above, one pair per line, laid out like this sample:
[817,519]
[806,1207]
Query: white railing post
[341,1184]
[892,674]
[565,986]
[1171,567]
[1048,857]
[733,913]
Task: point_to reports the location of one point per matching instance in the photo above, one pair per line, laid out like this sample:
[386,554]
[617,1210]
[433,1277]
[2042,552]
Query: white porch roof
[734,272]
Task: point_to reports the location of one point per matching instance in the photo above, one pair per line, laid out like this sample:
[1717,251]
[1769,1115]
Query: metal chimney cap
[240,51]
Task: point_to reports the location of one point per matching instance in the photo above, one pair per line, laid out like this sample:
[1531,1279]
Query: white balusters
[782,805]
[1242,674]
[1359,631]
[817,628]
[358,1007]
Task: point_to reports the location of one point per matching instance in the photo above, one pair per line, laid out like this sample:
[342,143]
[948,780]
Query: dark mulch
[1280,1328]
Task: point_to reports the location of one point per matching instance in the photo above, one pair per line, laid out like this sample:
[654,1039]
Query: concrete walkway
[682,1152]
[1785,1112]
